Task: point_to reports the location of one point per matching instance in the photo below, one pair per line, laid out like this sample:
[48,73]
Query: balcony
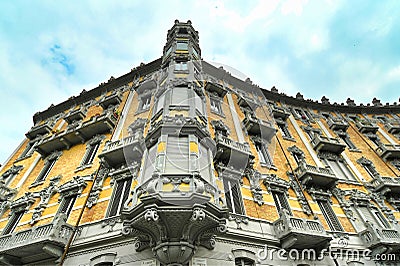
[299,233]
[316,176]
[78,132]
[123,151]
[386,185]
[41,129]
[336,123]
[112,99]
[232,153]
[173,227]
[75,115]
[247,102]
[389,151]
[321,143]
[258,127]
[380,240]
[393,126]
[37,244]
[366,126]
[280,112]
[216,88]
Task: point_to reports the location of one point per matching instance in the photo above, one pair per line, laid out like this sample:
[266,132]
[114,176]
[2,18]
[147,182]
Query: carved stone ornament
[22,204]
[173,231]
[274,183]
[344,204]
[96,139]
[360,198]
[73,187]
[138,124]
[97,186]
[45,195]
[220,127]
[296,150]
[255,177]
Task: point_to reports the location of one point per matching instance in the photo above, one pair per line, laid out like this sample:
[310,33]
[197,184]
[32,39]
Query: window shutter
[329,215]
[177,157]
[12,222]
[180,96]
[204,162]
[45,171]
[116,198]
[90,154]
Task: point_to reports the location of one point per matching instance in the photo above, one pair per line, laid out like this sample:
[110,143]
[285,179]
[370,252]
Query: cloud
[335,48]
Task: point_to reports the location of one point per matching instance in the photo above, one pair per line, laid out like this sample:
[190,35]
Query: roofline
[219,73]
[274,95]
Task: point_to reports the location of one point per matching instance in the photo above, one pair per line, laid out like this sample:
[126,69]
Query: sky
[51,50]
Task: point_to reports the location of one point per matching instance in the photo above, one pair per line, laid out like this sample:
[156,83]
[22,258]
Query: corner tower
[182,44]
[177,205]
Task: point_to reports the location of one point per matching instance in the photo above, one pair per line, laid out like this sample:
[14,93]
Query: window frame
[126,179]
[229,196]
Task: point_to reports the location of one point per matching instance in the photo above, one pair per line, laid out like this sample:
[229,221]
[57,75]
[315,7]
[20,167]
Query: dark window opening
[46,170]
[263,154]
[67,204]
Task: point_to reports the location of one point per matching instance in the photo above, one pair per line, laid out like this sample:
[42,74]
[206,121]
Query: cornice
[273,94]
[219,73]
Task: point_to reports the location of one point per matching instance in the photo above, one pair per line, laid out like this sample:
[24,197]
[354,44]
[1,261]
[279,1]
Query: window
[180,96]
[121,192]
[346,139]
[66,204]
[281,201]
[284,130]
[48,165]
[13,222]
[244,262]
[374,138]
[374,216]
[144,104]
[215,105]
[263,154]
[233,196]
[368,167]
[91,151]
[30,147]
[339,168]
[329,215]
[182,46]
[177,155]
[181,66]
[149,165]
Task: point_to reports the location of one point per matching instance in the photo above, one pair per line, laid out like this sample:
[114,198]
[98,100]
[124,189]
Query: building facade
[179,162]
